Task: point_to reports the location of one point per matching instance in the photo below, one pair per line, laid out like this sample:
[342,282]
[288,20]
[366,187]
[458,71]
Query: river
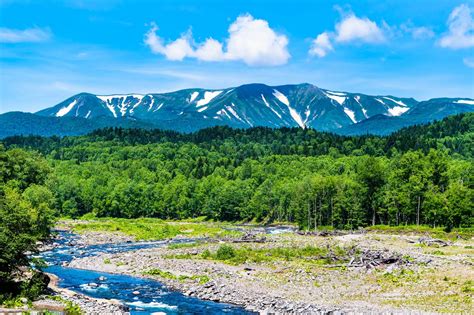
[143,296]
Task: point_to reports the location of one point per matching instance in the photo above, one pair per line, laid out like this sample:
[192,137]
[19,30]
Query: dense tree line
[26,212]
[453,133]
[420,175]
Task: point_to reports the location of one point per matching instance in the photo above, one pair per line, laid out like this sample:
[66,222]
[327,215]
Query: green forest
[419,175]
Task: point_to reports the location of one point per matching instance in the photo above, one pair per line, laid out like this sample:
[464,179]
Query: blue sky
[50,50]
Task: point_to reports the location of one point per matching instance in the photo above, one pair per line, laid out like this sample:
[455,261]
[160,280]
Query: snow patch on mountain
[268,105]
[233,112]
[338,98]
[124,104]
[397,110]
[468,102]
[364,111]
[351,114]
[208,96]
[294,114]
[223,112]
[158,108]
[307,113]
[88,114]
[296,117]
[281,97]
[395,101]
[193,96]
[202,109]
[151,103]
[336,93]
[140,98]
[63,111]
[380,101]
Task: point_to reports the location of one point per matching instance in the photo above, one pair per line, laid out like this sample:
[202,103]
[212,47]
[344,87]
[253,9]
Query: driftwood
[322,233]
[432,242]
[250,238]
[376,259]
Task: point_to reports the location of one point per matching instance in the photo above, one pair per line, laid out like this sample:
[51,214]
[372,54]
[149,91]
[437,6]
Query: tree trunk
[309,215]
[315,215]
[418,211]
[373,216]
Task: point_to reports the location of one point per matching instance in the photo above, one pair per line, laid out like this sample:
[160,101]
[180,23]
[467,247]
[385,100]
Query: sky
[52,49]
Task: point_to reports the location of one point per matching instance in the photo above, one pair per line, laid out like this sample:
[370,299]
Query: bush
[225,252]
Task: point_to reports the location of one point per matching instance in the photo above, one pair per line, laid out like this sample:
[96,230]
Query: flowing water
[153,296]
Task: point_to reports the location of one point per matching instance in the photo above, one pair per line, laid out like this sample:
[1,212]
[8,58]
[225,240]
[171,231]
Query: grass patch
[155,229]
[237,256]
[168,275]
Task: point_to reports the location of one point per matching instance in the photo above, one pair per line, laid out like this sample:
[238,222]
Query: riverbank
[292,273]
[86,304]
[64,301]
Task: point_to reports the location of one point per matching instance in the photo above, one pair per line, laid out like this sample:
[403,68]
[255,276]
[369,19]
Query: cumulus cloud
[250,40]
[29,35]
[461,29]
[321,45]
[350,29]
[353,28]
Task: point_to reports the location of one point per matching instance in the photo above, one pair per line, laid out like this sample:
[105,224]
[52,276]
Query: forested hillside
[419,175]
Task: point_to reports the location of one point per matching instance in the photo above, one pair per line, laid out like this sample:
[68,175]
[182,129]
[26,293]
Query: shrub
[225,252]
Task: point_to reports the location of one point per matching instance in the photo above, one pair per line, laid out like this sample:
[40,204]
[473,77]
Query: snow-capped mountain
[302,105]
[251,105]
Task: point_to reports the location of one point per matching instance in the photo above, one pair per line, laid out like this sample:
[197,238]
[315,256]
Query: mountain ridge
[293,105]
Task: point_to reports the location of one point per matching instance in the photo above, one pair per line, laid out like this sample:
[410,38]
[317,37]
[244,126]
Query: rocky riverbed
[413,283]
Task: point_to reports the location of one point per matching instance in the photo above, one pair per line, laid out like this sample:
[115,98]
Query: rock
[93,285]
[24,300]
[102,278]
[136,292]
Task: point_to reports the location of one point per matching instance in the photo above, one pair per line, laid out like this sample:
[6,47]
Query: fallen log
[432,242]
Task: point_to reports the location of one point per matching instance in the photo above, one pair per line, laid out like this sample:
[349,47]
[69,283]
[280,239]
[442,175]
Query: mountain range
[250,105]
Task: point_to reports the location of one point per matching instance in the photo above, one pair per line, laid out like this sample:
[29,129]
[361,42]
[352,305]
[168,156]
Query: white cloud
[250,40]
[211,50]
[417,32]
[29,35]
[461,29]
[350,29]
[469,62]
[176,50]
[254,42]
[321,45]
[353,28]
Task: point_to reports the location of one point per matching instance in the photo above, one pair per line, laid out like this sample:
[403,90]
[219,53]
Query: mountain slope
[302,105]
[297,105]
[423,112]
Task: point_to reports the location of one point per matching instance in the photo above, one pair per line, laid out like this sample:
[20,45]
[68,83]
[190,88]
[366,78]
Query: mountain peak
[248,105]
